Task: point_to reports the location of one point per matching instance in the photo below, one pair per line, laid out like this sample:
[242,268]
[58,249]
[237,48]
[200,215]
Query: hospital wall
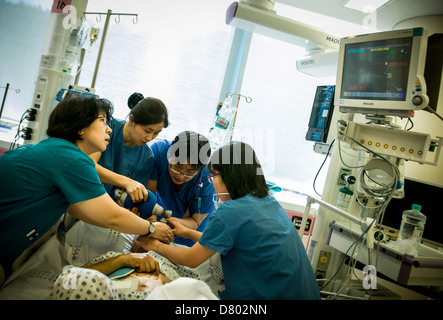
[424,121]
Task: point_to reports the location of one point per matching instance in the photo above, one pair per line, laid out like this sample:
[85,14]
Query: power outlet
[322,265]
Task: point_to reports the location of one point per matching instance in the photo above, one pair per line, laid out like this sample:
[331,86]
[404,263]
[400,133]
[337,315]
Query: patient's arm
[142,262]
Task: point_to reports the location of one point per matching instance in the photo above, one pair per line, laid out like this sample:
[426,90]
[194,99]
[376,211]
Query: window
[23,24]
[278,116]
[177,52]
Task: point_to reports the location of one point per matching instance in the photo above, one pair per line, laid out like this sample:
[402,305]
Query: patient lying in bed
[88,284]
[134,275]
[115,276]
[87,245]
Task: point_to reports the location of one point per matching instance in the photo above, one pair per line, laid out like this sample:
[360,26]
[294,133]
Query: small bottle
[411,229]
[344,198]
[145,208]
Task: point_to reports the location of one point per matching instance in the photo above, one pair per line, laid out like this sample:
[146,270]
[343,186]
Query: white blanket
[84,242]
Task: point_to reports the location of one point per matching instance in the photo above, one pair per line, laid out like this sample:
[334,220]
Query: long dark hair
[239,169]
[75,113]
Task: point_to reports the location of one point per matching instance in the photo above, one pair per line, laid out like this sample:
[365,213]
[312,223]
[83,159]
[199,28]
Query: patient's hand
[142,262]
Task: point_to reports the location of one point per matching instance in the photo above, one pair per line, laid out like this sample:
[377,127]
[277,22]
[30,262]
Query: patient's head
[149,281]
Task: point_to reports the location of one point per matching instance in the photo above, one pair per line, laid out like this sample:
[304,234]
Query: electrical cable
[17,135]
[318,172]
[412,124]
[428,108]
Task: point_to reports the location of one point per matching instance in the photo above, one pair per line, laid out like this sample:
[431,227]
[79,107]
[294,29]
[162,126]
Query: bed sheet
[83,242]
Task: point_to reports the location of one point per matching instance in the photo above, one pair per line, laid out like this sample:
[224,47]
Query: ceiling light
[366,6]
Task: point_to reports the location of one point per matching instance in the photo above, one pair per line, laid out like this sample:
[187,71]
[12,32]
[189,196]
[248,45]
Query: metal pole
[102,43]
[4,99]
[82,58]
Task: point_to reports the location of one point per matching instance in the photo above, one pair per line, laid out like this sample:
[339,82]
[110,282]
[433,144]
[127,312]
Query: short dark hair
[150,111]
[239,169]
[190,147]
[75,113]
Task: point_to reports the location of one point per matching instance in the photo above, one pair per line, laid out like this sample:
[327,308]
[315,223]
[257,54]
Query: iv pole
[248,100]
[4,97]
[105,31]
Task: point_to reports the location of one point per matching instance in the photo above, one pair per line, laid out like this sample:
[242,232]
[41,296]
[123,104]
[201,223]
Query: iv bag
[220,133]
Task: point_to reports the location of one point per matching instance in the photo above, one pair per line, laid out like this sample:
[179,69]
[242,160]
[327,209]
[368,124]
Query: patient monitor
[379,76]
[383,73]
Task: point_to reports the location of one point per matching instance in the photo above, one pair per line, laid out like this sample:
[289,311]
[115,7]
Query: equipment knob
[417,100]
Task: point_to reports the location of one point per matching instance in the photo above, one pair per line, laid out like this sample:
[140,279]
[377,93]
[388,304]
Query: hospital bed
[34,279]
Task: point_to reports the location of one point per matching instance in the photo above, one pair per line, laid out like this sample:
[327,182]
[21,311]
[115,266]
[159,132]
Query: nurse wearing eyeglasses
[180,179]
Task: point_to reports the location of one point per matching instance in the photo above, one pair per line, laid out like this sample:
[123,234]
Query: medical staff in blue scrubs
[180,180]
[262,254]
[41,182]
[128,161]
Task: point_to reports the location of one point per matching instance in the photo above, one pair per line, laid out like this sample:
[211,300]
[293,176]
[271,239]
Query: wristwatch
[151,229]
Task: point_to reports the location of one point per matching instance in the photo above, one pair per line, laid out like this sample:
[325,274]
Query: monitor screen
[382,73]
[376,70]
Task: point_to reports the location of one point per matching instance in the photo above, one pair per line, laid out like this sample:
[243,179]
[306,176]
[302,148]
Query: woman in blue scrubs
[180,180]
[261,252]
[41,182]
[128,161]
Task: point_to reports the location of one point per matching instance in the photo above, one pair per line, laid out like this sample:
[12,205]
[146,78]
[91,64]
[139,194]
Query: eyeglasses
[211,177]
[104,118]
[186,176]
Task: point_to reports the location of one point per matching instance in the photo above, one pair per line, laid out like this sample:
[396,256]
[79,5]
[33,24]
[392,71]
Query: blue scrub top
[134,162]
[262,254]
[39,182]
[195,195]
